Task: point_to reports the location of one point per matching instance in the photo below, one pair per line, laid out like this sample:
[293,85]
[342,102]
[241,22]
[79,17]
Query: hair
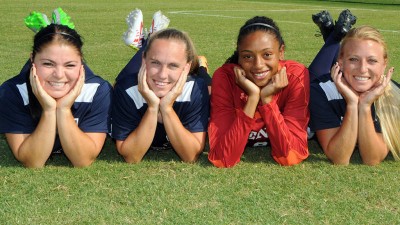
[53,33]
[257,23]
[387,105]
[174,34]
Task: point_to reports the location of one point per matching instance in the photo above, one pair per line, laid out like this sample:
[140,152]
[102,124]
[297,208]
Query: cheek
[42,74]
[175,75]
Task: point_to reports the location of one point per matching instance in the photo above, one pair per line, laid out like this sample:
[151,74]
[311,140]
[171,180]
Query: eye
[71,65]
[372,61]
[47,64]
[155,62]
[353,59]
[267,55]
[173,66]
[247,57]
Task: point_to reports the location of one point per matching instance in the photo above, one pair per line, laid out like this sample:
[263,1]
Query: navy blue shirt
[192,108]
[91,109]
[327,106]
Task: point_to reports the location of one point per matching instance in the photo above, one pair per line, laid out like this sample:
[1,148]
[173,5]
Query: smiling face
[363,63]
[259,55]
[57,67]
[165,62]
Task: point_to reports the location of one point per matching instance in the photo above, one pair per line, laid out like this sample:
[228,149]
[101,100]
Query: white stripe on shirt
[87,93]
[330,90]
[23,91]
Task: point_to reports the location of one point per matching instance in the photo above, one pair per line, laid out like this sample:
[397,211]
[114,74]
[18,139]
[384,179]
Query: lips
[56,84]
[160,83]
[260,76]
[361,78]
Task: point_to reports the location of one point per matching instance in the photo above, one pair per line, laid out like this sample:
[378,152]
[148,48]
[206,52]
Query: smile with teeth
[361,78]
[160,83]
[56,84]
[260,75]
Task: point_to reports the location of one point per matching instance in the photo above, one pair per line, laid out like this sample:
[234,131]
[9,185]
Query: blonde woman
[356,104]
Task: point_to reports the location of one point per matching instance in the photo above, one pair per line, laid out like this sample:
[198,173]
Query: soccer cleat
[344,23]
[60,17]
[159,22]
[203,62]
[324,21]
[36,21]
[134,35]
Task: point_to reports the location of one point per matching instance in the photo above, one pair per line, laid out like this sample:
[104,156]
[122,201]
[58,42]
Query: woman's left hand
[370,96]
[68,100]
[277,82]
[169,99]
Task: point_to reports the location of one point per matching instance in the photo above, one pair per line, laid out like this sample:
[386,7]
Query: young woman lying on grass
[259,99]
[356,103]
[56,104]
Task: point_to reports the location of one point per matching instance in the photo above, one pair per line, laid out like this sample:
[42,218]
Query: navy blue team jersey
[91,109]
[327,105]
[192,108]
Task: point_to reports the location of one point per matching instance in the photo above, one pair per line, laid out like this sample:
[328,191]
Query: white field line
[203,13]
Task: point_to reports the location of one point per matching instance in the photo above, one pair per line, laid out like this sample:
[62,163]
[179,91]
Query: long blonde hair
[387,105]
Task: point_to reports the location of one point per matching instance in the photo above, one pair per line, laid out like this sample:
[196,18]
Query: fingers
[142,78]
[35,83]
[240,75]
[33,79]
[81,79]
[388,76]
[280,80]
[183,78]
[335,72]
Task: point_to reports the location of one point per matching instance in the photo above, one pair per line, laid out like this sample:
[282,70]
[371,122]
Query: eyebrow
[265,49]
[52,61]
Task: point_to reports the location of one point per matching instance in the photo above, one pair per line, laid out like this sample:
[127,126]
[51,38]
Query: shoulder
[224,75]
[14,87]
[295,70]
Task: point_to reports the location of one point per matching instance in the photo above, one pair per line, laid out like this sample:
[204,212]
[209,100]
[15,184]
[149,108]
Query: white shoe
[159,22]
[134,35]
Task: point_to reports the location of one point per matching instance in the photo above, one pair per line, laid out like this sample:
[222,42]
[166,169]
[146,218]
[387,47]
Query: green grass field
[161,189]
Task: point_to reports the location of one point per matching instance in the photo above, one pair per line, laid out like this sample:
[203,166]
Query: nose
[163,73]
[363,66]
[258,62]
[58,72]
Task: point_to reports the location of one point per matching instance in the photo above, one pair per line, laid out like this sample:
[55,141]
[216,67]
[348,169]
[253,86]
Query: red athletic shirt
[285,118]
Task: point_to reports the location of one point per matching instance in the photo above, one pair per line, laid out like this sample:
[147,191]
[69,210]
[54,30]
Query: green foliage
[161,189]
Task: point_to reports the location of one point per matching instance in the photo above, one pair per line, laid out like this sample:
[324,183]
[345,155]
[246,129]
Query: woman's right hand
[343,87]
[150,97]
[46,101]
[247,85]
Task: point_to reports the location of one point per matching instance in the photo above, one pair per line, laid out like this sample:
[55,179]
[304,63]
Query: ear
[340,62]
[282,52]
[187,67]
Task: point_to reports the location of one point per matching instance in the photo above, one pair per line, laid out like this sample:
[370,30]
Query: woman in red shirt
[259,99]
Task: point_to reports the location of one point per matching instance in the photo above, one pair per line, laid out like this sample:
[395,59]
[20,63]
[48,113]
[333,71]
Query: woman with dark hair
[56,104]
[258,98]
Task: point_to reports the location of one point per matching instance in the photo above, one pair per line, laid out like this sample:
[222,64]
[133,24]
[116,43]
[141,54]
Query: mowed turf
[161,189]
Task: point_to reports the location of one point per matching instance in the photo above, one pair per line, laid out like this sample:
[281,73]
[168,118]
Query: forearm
[288,135]
[342,144]
[138,142]
[228,138]
[371,145]
[37,147]
[186,144]
[80,148]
